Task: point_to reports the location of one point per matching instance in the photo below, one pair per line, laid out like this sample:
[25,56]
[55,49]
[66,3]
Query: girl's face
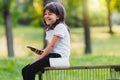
[50,18]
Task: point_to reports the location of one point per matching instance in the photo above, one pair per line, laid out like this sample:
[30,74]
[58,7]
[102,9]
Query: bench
[103,72]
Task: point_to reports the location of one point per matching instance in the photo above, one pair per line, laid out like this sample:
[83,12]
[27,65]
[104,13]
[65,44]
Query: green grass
[10,68]
[105,49]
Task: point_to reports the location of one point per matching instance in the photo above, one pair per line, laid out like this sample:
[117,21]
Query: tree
[7,21]
[86,27]
[112,5]
[109,15]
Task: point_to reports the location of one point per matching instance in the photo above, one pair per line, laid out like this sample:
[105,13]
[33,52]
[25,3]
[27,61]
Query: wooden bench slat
[82,67]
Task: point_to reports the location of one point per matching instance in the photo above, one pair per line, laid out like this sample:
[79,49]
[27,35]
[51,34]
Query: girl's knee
[23,70]
[27,70]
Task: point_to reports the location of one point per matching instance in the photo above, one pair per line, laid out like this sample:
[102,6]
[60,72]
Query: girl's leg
[29,71]
[24,72]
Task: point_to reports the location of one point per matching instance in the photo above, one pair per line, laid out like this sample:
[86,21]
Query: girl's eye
[49,14]
[45,14]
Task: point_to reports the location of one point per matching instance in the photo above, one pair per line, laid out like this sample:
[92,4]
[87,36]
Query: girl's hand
[39,52]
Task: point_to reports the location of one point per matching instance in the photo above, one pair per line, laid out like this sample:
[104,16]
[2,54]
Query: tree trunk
[86,28]
[7,20]
[44,3]
[109,15]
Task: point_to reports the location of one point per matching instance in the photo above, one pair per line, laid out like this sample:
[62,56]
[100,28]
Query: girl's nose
[46,16]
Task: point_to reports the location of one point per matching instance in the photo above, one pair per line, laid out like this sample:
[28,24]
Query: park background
[96,22]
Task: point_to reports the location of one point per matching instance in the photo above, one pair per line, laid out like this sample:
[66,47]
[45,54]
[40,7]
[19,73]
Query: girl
[58,40]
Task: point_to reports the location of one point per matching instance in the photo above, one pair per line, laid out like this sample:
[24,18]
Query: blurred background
[94,25]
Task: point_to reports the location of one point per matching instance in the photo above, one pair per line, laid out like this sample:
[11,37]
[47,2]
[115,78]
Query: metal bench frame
[116,68]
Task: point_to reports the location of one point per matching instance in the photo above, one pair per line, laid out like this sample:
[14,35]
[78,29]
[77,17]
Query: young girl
[58,40]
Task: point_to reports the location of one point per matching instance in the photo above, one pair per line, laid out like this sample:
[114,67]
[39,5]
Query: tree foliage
[30,11]
[74,12]
[1,10]
[117,5]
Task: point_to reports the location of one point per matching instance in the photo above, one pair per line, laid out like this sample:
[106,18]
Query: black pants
[29,71]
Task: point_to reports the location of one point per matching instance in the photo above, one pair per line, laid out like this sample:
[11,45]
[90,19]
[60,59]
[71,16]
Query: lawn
[105,49]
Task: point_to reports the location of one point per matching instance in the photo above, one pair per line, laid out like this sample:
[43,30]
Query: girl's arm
[49,47]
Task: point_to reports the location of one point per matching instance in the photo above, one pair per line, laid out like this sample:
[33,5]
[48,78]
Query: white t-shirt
[63,46]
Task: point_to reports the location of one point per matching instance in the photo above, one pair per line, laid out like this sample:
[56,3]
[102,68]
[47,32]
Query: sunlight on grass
[3,48]
[20,50]
[101,41]
[102,35]
[27,38]
[22,37]
[116,29]
[76,45]
[105,43]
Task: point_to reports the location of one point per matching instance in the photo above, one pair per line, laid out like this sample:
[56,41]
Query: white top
[63,46]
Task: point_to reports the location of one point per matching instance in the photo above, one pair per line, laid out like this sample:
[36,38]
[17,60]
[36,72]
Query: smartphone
[35,50]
